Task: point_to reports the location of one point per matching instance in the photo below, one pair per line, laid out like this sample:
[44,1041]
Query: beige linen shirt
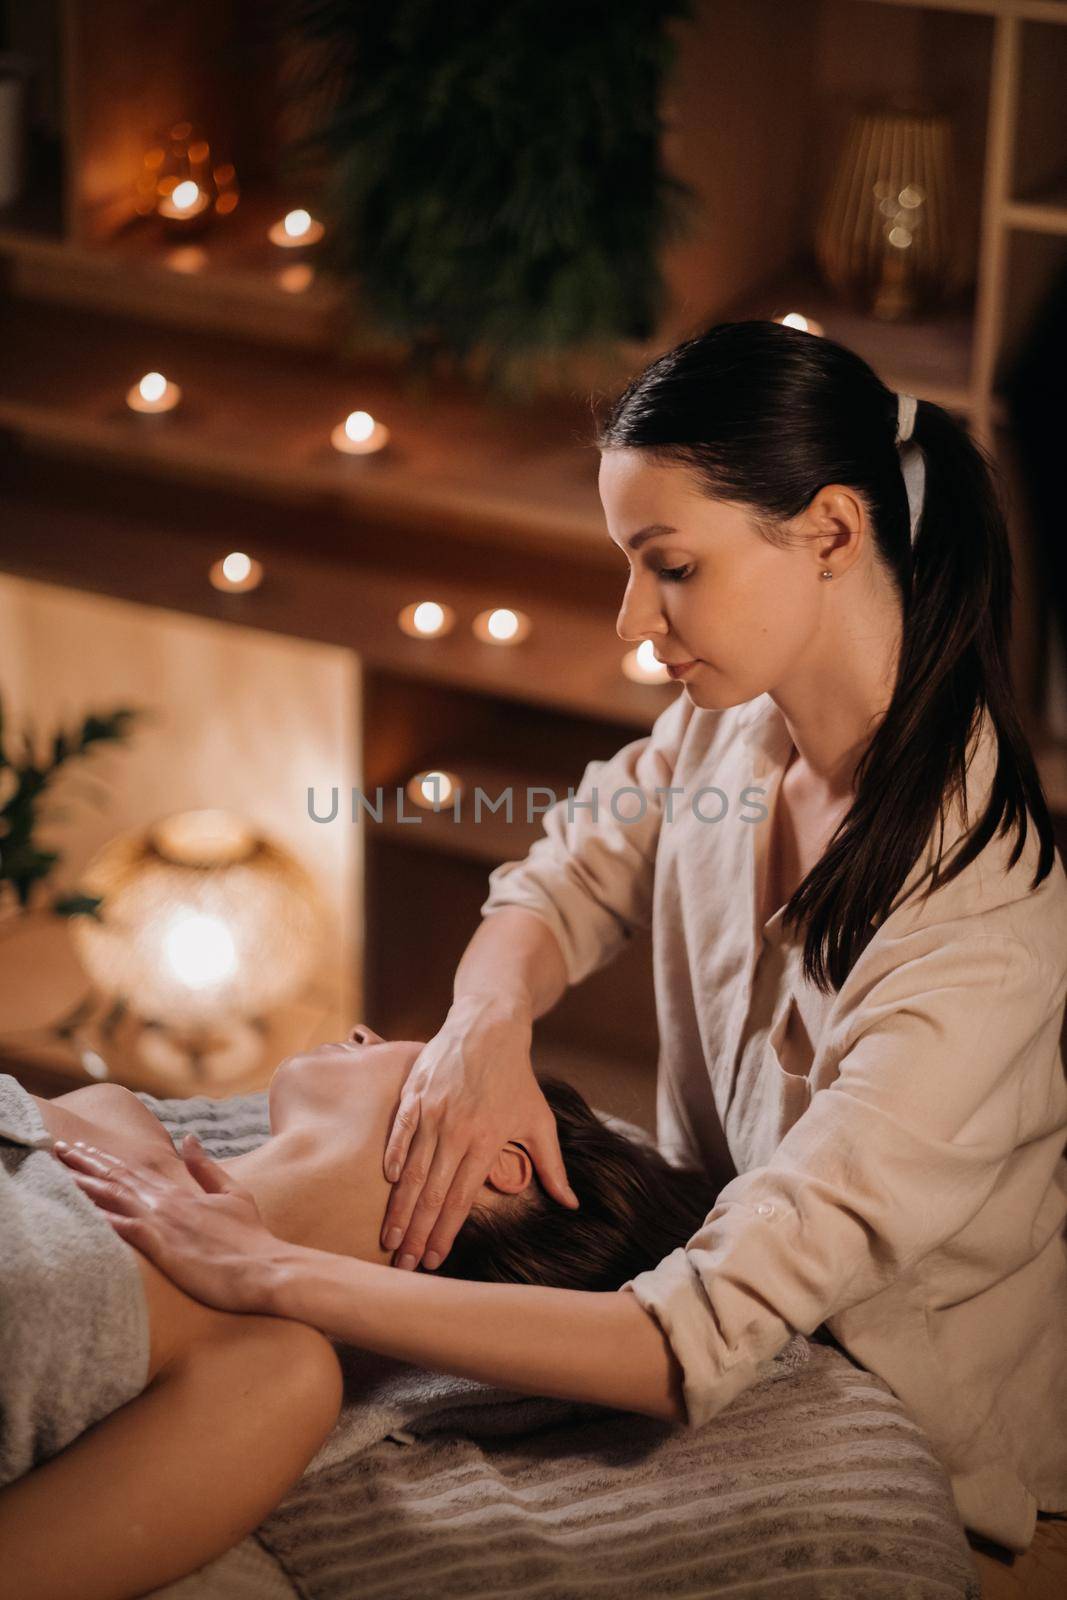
[891,1154]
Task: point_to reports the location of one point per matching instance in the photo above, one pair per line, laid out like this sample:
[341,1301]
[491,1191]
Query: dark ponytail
[765,415]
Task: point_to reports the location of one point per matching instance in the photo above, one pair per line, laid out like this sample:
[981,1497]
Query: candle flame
[297,223]
[236,567]
[641,666]
[152,387]
[503,624]
[359,425]
[185,195]
[436,787]
[428,617]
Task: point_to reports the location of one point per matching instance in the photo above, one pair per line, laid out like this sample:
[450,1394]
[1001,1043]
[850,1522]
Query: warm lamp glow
[359,434]
[501,626]
[199,950]
[434,789]
[641,666]
[203,921]
[236,573]
[426,619]
[152,394]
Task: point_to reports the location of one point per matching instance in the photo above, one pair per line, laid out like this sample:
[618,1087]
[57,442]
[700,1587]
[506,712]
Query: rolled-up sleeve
[590,876]
[888,1162]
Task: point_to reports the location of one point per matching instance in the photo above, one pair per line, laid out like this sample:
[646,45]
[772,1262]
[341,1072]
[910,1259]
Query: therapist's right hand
[470,1090]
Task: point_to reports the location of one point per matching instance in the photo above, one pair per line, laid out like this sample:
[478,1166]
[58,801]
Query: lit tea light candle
[796,319]
[501,626]
[426,619]
[296,228]
[185,201]
[434,789]
[359,434]
[236,573]
[153,394]
[641,666]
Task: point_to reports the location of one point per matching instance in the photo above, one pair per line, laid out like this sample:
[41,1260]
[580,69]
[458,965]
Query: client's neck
[308,1194]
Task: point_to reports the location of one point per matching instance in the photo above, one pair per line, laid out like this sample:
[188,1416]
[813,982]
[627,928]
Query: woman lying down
[143,1433]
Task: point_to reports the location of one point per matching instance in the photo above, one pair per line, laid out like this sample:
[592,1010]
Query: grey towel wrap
[74,1340]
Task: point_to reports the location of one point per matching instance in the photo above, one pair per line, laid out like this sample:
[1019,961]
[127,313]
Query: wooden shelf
[489,837]
[929,356]
[348,596]
[260,420]
[230,279]
[1024,10]
[45,983]
[1045,212]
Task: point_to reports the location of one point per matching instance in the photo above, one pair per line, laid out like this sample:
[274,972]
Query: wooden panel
[741,86]
[1041,142]
[521,755]
[423,910]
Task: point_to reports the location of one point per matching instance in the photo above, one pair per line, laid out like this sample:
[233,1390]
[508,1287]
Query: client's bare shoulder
[110,1116]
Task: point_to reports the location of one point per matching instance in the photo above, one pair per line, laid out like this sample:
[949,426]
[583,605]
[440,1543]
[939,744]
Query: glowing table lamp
[206,926]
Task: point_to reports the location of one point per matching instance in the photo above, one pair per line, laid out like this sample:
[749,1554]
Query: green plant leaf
[496,186]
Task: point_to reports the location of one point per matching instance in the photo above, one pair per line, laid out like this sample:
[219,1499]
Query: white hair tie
[912,462]
[907,405]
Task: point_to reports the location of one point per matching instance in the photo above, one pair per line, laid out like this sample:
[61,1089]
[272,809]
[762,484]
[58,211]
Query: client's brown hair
[635,1209]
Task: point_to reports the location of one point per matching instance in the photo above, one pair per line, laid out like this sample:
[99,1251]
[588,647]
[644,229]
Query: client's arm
[179,1474]
[575,1345]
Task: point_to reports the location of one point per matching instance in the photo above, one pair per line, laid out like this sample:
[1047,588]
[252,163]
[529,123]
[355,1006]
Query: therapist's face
[714,590]
[346,1095]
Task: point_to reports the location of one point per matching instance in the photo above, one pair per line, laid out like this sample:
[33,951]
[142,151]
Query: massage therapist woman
[859,998]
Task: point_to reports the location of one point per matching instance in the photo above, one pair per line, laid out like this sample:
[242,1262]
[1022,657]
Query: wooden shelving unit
[477,502]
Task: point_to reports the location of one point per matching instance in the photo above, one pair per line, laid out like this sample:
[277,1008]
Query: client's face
[345,1096]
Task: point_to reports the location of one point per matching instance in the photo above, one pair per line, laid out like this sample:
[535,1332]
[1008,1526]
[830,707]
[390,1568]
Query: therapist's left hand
[211,1240]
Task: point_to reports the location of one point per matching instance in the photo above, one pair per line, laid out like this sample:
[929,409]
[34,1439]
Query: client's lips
[678,669]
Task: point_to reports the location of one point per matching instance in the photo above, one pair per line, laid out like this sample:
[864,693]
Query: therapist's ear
[512,1171]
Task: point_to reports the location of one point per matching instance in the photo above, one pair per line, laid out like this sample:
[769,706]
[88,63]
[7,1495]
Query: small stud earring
[826,574]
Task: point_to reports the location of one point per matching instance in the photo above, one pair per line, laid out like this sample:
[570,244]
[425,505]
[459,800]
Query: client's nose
[361,1034]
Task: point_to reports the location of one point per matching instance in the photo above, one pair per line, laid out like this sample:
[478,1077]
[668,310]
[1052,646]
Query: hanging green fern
[492,170]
